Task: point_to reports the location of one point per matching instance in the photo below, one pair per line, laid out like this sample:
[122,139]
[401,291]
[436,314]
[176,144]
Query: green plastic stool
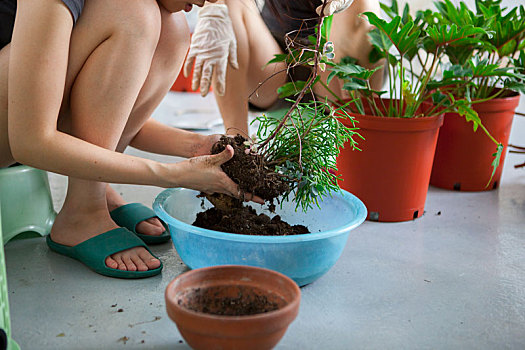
[27,209]
[5,321]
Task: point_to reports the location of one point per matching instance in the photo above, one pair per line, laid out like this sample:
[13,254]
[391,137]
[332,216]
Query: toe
[152,227]
[120,263]
[148,259]
[111,263]
[141,265]
[130,265]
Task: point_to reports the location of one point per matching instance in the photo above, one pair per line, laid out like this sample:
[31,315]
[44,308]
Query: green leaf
[444,35]
[464,109]
[518,86]
[440,98]
[347,71]
[291,88]
[326,28]
[404,36]
[495,162]
[380,40]
[392,10]
[456,71]
[278,58]
[355,84]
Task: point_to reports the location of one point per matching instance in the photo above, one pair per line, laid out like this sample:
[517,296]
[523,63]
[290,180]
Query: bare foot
[72,227]
[152,227]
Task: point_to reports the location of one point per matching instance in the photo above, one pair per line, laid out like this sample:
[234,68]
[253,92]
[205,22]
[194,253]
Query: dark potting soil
[254,175]
[246,221]
[231,300]
[250,171]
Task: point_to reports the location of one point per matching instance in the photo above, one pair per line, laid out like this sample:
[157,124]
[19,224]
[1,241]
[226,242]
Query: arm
[37,70]
[156,137]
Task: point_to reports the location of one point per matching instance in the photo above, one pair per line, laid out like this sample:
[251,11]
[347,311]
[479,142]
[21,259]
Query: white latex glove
[213,44]
[334,6]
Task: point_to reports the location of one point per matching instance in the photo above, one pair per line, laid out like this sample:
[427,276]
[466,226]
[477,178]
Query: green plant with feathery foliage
[303,144]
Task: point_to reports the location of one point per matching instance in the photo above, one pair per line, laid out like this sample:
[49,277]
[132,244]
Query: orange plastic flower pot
[463,157]
[182,83]
[391,174]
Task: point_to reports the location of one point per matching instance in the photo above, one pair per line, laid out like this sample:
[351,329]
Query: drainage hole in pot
[228,300]
[374,216]
[457,186]
[416,214]
[495,185]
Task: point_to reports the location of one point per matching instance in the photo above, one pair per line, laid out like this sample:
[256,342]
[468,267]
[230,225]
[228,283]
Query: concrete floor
[453,279]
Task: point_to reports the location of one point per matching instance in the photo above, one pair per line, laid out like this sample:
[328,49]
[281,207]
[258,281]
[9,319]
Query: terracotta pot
[463,158]
[211,331]
[391,174]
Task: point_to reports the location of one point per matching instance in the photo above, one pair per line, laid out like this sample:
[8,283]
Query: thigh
[262,47]
[101,19]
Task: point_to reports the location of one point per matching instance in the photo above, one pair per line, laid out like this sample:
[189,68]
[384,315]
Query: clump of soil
[244,220]
[230,300]
[251,170]
[254,175]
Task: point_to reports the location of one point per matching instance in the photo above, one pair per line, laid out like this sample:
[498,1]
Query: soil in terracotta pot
[231,300]
[254,175]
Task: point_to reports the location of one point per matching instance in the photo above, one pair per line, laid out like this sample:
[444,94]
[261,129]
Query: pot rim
[360,216]
[393,124]
[170,297]
[499,104]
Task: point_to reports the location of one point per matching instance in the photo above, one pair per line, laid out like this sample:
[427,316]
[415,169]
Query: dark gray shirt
[8,12]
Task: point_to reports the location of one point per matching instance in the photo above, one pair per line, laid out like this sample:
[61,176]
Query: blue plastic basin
[304,258]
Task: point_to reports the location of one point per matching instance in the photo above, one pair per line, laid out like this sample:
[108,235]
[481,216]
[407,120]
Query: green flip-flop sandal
[94,251]
[129,215]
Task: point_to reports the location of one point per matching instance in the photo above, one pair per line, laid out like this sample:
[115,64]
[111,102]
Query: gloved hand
[334,6]
[213,44]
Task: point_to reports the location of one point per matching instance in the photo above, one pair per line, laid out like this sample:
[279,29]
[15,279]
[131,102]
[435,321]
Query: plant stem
[402,83]
[423,86]
[265,80]
[309,83]
[331,92]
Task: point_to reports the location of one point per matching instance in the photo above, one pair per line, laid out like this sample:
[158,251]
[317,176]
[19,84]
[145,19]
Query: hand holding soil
[204,174]
[203,148]
[254,175]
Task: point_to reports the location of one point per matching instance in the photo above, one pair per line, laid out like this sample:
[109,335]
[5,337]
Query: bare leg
[255,47]
[111,53]
[166,64]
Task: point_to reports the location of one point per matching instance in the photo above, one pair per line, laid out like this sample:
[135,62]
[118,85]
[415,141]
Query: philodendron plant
[414,51]
[497,51]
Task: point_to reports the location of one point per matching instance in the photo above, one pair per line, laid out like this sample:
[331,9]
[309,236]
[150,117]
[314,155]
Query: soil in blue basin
[254,174]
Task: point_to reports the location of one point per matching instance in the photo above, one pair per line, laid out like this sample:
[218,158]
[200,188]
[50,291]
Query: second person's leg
[255,47]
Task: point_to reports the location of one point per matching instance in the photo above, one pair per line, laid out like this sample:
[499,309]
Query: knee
[140,23]
[174,41]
